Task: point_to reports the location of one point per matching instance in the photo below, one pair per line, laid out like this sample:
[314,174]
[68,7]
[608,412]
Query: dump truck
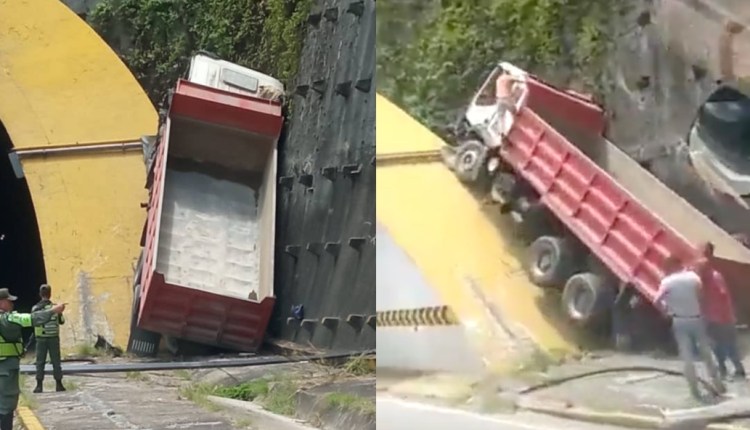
[599,225]
[205,274]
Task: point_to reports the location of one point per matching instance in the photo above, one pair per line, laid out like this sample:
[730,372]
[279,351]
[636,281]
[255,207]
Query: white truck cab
[221,74]
[483,115]
[484,125]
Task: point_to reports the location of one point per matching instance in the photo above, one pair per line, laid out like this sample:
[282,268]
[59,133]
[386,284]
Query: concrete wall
[331,132]
[62,85]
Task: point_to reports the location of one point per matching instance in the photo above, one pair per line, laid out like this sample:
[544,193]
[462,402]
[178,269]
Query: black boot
[39,386]
[59,386]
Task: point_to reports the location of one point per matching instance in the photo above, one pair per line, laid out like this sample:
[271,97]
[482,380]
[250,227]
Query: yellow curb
[29,421]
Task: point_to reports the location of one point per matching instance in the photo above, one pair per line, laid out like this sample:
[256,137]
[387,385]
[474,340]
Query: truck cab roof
[216,73]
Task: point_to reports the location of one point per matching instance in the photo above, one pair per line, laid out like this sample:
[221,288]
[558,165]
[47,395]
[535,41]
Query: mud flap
[142,343]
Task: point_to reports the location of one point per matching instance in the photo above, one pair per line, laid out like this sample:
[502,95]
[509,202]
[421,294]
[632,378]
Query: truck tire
[550,261]
[469,161]
[587,298]
[142,343]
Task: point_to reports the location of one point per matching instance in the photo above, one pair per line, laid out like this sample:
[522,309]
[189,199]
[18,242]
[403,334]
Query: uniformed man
[48,340]
[11,349]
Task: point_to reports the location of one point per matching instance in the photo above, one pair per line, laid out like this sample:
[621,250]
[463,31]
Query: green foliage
[247,391]
[156,38]
[278,395]
[433,68]
[351,402]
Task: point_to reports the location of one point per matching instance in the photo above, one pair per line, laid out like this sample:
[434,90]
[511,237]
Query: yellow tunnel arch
[61,85]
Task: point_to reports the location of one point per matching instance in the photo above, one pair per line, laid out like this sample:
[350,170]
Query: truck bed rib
[675,211]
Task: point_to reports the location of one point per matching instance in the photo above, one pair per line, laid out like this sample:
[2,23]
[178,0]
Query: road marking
[461,413]
[428,316]
[29,421]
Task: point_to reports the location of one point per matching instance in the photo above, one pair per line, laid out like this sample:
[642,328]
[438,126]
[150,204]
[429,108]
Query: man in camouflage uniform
[11,349]
[48,340]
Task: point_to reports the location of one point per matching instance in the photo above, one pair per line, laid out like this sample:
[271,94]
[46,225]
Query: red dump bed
[626,216]
[226,131]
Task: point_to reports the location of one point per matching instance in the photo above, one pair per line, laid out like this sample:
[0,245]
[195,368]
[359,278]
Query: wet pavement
[398,414]
[117,401]
[642,391]
[635,386]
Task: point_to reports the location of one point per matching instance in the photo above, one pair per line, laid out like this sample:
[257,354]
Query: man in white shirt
[679,295]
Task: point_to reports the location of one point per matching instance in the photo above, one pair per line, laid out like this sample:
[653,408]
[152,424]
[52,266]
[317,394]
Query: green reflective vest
[12,349]
[49,329]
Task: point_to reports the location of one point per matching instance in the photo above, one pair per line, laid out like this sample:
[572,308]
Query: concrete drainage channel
[327,391]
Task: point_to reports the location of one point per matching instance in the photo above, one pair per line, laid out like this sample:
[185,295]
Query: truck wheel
[586,299]
[550,261]
[470,158]
[142,343]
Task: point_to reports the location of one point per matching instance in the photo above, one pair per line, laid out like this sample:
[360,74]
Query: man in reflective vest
[48,340]
[11,350]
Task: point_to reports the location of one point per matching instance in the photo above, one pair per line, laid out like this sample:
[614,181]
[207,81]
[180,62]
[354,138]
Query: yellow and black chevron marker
[431,316]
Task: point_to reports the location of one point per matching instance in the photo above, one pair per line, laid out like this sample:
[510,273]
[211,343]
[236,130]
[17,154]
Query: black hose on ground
[194,365]
[78,360]
[561,380]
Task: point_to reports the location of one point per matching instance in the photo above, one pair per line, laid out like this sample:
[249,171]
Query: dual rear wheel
[587,297]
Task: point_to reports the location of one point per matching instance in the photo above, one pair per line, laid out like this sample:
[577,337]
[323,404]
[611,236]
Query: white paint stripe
[494,419]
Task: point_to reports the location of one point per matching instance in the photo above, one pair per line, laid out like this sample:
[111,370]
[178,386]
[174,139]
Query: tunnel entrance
[723,126]
[21,259]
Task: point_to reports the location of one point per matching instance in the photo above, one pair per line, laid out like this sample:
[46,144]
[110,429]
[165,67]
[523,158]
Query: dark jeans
[724,339]
[6,422]
[49,345]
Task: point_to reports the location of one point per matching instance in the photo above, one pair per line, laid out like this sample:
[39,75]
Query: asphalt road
[397,414]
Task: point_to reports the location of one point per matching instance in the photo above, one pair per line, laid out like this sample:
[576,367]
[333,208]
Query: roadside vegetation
[431,55]
[156,38]
[278,393]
